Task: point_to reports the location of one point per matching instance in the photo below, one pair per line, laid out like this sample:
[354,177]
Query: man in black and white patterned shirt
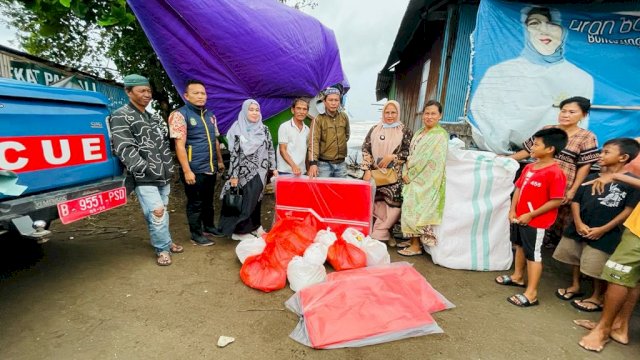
[140,139]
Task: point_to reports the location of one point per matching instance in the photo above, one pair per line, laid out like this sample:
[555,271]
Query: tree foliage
[86,34]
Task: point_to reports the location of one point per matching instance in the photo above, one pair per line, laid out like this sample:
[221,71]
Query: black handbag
[232,201]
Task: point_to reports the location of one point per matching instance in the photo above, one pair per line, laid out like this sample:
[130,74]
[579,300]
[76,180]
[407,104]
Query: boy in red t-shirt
[534,208]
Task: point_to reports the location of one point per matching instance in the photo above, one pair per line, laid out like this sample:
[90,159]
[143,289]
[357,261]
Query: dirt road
[94,292]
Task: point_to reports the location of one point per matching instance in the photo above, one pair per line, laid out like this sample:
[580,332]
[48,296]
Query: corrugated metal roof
[19,89]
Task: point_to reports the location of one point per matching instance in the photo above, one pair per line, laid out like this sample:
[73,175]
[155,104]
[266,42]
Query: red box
[335,203]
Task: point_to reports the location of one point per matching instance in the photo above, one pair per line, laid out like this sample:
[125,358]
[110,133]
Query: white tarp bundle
[474,234]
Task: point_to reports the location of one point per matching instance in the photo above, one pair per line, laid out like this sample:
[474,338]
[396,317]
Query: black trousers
[200,202]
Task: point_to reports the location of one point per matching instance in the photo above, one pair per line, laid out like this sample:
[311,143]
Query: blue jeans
[327,169]
[156,198]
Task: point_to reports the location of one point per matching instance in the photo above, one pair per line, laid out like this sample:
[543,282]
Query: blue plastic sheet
[241,49]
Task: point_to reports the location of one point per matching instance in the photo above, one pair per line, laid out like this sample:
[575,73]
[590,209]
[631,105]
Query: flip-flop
[407,252]
[164,259]
[566,292]
[522,301]
[508,281]
[176,249]
[404,244]
[575,304]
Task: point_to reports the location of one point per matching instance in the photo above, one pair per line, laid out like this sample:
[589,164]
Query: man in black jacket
[140,139]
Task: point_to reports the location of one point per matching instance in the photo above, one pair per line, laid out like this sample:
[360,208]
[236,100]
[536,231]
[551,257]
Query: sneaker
[240,237]
[259,232]
[201,240]
[212,231]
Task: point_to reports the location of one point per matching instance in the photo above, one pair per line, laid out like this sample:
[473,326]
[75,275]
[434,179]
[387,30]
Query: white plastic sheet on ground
[366,306]
[474,234]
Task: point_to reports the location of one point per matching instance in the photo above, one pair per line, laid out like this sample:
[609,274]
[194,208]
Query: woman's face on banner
[544,35]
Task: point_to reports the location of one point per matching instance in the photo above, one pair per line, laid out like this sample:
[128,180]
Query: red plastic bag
[291,237]
[263,271]
[345,256]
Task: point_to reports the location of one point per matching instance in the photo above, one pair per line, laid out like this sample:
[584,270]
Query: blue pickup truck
[56,160]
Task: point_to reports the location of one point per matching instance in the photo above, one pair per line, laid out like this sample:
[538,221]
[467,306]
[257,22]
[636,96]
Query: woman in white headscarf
[252,157]
[516,97]
[385,149]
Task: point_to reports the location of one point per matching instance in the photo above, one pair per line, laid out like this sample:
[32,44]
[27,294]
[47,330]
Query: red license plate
[80,208]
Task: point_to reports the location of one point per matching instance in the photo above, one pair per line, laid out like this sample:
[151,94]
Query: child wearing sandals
[596,229]
[534,208]
[622,272]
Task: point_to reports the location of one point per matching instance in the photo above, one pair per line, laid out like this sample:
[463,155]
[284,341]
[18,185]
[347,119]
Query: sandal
[176,249]
[404,244]
[521,301]
[392,242]
[164,259]
[508,281]
[564,294]
[407,252]
[586,305]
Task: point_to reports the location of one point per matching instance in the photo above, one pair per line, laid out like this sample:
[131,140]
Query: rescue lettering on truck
[56,160]
[32,153]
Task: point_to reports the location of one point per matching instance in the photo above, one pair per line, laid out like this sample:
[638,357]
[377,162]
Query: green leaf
[108,21]
[65,3]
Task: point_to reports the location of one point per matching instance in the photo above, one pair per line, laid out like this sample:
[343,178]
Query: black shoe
[201,240]
[213,231]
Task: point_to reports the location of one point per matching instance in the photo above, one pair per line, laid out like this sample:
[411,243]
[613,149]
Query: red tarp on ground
[366,306]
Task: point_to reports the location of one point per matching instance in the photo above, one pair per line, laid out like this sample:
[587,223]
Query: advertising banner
[528,58]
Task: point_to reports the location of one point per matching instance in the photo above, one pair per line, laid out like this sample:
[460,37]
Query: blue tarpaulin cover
[241,49]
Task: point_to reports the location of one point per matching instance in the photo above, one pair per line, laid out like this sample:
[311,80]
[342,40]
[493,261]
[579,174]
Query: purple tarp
[257,49]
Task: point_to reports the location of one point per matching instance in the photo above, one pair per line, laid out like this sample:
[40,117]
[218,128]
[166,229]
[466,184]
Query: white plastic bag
[376,251]
[316,253]
[250,247]
[353,236]
[325,237]
[301,273]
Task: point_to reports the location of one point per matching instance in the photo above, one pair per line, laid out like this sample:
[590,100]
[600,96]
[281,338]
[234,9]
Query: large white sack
[301,273]
[316,253]
[376,251]
[325,237]
[353,236]
[474,234]
[250,247]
